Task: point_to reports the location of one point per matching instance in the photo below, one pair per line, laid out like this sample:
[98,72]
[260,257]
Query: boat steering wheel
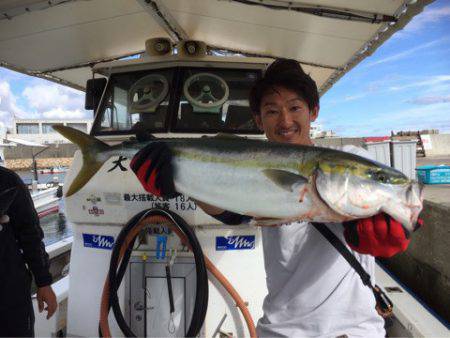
[202,89]
[146,94]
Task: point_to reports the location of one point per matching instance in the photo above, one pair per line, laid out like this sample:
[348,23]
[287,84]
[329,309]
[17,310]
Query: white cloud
[434,116]
[440,81]
[429,16]
[46,97]
[8,103]
[41,100]
[422,117]
[354,97]
[347,98]
[60,113]
[427,113]
[407,53]
[427,100]
[52,101]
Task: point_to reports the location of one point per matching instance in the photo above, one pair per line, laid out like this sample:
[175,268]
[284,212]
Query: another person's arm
[29,234]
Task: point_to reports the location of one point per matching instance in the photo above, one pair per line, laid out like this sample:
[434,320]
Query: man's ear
[258,121]
[314,114]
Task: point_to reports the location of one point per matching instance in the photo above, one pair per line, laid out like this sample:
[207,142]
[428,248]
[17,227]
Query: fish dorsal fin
[284,179]
[226,135]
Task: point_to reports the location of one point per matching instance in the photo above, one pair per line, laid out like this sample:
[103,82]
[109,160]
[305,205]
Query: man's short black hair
[287,73]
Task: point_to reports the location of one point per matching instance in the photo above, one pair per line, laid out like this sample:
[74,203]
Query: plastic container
[404,157]
[378,147]
[434,174]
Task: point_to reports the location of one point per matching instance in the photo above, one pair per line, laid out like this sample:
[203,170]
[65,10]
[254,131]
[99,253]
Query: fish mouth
[414,217]
[421,191]
[416,208]
[409,210]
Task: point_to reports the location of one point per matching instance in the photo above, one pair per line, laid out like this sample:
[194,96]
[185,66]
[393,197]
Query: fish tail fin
[90,147]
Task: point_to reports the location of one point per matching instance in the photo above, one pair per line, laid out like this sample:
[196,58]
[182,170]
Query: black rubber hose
[115,279]
[123,267]
[113,276]
[202,292]
[169,289]
[120,274]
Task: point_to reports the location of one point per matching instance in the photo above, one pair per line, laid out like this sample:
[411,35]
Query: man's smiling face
[285,117]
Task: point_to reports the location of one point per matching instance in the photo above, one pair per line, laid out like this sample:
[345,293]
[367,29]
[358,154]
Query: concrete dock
[424,268]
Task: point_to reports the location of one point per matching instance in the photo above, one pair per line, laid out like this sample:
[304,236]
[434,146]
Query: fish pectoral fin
[285,179]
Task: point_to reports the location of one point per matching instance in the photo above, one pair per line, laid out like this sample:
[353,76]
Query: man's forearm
[223,216]
[209,209]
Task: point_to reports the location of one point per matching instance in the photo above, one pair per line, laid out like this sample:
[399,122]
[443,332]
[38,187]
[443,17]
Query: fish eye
[382,178]
[379,176]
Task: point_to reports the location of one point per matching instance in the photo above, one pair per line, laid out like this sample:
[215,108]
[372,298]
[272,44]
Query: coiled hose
[122,252]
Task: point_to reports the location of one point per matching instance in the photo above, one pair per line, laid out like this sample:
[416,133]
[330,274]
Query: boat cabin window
[184,100]
[215,100]
[138,97]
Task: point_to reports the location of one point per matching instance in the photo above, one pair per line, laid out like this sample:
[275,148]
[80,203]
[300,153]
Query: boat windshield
[182,99]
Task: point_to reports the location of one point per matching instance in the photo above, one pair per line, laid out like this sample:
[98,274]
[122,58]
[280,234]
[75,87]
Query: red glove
[379,236]
[153,167]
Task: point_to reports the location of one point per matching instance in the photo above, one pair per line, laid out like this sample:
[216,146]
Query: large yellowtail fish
[281,182]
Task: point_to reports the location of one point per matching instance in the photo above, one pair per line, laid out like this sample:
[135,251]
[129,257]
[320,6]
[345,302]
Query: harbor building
[41,131]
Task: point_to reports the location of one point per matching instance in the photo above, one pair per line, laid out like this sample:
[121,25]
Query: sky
[404,85]
[25,96]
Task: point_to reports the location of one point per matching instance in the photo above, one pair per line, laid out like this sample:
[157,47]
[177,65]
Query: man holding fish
[312,290]
[283,185]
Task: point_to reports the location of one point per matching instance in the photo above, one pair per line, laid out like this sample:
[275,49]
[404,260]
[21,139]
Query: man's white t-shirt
[312,289]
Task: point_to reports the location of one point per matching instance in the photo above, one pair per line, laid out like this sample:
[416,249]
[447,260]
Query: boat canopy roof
[62,40]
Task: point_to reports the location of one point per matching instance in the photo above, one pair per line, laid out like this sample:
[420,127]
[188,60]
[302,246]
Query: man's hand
[4,219]
[379,236]
[153,167]
[46,295]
